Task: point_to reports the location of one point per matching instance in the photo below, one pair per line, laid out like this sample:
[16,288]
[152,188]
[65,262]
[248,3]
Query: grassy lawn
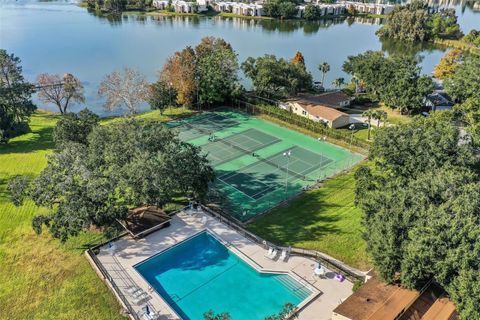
[394,117]
[359,132]
[41,278]
[324,219]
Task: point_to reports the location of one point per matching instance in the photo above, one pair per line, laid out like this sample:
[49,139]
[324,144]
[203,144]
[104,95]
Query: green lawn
[359,133]
[40,278]
[324,219]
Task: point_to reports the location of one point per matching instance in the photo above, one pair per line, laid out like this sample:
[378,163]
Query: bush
[357,285]
[16,129]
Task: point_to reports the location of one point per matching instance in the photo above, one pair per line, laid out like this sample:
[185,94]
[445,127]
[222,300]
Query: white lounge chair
[269,253]
[284,255]
[204,220]
[273,255]
[148,314]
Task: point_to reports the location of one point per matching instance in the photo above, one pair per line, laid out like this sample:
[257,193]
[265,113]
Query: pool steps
[297,288]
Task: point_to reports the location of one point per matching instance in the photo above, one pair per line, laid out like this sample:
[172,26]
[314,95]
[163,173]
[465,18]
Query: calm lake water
[59,37]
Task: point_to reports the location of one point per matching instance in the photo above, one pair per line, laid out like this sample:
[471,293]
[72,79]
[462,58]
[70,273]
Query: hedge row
[290,117]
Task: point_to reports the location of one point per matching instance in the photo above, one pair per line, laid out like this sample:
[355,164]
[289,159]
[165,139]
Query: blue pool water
[201,274]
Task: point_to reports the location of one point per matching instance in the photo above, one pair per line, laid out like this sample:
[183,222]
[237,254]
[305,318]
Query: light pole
[351,128]
[287,154]
[198,100]
[170,85]
[321,161]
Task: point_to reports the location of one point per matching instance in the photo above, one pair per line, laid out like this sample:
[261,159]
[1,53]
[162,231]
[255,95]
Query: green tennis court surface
[259,164]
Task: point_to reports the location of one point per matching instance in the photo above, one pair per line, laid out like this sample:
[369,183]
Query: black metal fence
[349,273]
[106,276]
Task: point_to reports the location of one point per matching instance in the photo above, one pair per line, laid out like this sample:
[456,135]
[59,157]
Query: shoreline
[212,13]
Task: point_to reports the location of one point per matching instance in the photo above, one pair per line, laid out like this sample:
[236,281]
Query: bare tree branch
[70,90]
[128,88]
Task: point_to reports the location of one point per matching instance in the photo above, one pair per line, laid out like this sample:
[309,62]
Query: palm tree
[356,81]
[339,82]
[324,68]
[369,114]
[380,115]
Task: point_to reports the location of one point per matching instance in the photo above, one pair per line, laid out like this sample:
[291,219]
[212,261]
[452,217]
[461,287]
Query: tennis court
[201,125]
[259,164]
[246,142]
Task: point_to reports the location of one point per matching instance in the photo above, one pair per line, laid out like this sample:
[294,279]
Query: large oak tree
[15,98]
[422,207]
[122,165]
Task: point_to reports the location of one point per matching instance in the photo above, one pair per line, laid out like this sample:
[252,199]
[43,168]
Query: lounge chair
[138,293]
[150,316]
[284,255]
[273,255]
[204,220]
[269,253]
[138,300]
[133,289]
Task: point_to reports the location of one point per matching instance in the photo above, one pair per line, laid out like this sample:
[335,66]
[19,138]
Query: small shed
[145,220]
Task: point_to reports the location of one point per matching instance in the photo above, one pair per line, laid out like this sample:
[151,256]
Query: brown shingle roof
[143,220]
[442,309]
[329,99]
[376,300]
[327,113]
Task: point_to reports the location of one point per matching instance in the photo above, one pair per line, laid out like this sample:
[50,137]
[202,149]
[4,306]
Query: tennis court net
[279,166]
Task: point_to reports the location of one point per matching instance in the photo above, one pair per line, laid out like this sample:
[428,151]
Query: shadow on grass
[309,217]
[41,139]
[286,227]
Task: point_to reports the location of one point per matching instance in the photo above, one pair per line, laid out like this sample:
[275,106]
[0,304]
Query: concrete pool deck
[127,252]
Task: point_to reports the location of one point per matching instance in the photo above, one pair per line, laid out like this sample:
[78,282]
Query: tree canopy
[282,9]
[413,22]
[216,70]
[207,74]
[395,80]
[473,37]
[469,113]
[447,65]
[298,59]
[464,81]
[161,95]
[74,127]
[123,165]
[276,78]
[421,200]
[16,105]
[311,12]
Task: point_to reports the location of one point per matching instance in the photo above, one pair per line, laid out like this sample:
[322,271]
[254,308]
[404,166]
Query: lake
[60,37]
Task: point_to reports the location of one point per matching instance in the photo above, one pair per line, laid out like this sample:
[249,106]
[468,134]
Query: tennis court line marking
[266,194]
[228,184]
[269,188]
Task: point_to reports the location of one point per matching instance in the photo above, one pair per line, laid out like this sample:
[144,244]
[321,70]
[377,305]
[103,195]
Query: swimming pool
[201,274]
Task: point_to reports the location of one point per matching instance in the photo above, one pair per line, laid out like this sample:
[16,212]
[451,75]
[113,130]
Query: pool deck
[127,252]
